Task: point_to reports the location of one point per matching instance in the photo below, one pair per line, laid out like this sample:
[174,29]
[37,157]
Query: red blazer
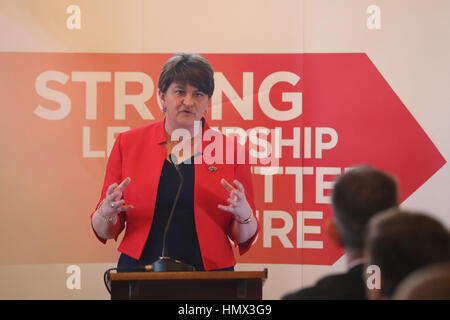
[138,154]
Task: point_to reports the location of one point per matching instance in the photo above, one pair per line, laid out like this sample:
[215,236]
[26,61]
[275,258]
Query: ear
[205,113]
[162,96]
[332,231]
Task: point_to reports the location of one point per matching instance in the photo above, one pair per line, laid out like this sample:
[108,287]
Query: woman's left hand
[238,204]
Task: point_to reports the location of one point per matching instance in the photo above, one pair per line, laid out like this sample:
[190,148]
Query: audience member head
[358,195]
[400,242]
[429,283]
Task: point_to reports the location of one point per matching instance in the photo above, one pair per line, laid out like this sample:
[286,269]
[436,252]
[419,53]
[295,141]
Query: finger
[111,188]
[239,185]
[115,196]
[126,207]
[237,196]
[232,202]
[227,185]
[124,184]
[116,204]
[225,208]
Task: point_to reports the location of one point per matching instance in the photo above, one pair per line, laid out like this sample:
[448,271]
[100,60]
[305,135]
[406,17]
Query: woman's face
[184,104]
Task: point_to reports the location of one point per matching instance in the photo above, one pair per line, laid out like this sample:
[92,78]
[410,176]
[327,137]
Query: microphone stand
[166,263]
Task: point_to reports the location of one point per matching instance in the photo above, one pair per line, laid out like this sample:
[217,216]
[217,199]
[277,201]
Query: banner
[309,118]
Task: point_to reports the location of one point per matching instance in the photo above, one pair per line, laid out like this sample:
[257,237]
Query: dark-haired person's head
[358,195]
[187,68]
[429,283]
[399,242]
[186,84]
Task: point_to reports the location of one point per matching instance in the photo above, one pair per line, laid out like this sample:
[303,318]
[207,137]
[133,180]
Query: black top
[349,285]
[182,242]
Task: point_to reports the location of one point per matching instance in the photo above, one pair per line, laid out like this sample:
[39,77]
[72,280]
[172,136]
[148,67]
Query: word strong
[243,105]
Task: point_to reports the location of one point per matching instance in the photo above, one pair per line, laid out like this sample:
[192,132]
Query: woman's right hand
[113,203]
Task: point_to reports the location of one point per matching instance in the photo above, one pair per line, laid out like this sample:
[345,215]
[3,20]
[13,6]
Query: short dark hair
[187,68]
[400,242]
[359,194]
[428,283]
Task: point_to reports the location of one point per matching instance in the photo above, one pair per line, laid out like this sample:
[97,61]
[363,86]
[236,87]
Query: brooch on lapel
[212,169]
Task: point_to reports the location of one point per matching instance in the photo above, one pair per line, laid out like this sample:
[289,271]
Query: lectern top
[199,275]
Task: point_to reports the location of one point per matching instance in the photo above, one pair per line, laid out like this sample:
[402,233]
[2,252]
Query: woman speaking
[215,202]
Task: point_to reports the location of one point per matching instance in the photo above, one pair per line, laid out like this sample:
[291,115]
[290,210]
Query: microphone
[165,263]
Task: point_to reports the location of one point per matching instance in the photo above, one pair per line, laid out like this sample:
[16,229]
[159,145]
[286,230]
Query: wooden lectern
[201,285]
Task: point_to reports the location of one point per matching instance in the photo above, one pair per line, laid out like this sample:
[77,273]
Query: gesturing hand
[238,204]
[113,203]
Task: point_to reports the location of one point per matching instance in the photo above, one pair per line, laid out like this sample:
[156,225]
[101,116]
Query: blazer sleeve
[113,174]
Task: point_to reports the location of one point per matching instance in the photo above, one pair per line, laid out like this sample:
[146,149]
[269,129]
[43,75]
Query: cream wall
[411,51]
